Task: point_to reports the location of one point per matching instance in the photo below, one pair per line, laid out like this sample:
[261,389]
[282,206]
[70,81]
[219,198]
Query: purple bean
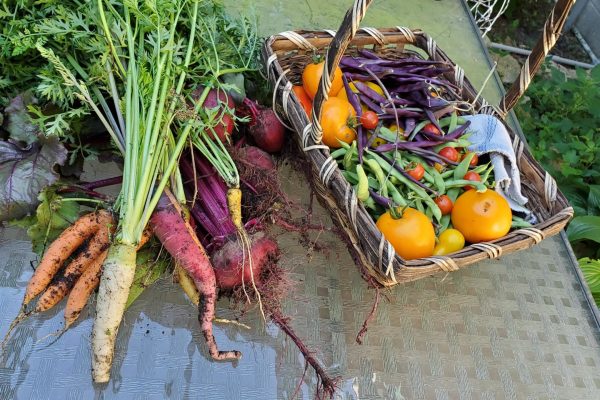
[402,112]
[433,119]
[412,145]
[408,87]
[379,199]
[370,104]
[367,91]
[432,155]
[443,111]
[410,125]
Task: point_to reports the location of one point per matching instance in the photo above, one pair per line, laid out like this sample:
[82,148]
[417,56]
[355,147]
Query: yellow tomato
[450,240]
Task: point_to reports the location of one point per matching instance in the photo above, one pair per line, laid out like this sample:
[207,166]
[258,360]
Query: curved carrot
[88,282]
[56,254]
[83,288]
[61,286]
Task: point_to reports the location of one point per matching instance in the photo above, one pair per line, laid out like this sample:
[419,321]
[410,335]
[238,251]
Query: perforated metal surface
[518,328]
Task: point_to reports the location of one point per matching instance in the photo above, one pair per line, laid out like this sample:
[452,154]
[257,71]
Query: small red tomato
[369,120]
[416,170]
[444,203]
[471,176]
[432,129]
[450,153]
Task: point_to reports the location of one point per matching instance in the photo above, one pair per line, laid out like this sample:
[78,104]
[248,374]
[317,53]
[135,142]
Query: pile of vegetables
[166,81]
[400,138]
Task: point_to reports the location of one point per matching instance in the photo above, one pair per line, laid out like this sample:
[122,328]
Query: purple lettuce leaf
[24,172]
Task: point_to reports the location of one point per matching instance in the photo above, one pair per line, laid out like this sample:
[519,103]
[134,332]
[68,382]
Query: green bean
[444,223]
[362,187]
[419,205]
[417,129]
[376,169]
[447,121]
[338,153]
[396,195]
[463,167]
[518,222]
[428,177]
[351,177]
[480,168]
[458,183]
[486,174]
[438,181]
[370,203]
[453,194]
[419,192]
[348,164]
[453,122]
[429,213]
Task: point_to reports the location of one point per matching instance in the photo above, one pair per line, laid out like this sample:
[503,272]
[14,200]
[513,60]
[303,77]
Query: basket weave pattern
[286,55]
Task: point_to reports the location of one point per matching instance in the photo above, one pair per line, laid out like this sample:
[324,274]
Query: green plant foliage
[53,215]
[585,227]
[561,119]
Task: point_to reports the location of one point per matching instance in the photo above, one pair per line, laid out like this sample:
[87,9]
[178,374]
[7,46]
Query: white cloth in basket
[488,135]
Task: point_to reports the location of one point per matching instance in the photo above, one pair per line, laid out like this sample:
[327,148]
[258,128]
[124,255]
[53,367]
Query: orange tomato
[335,117]
[311,78]
[481,217]
[412,234]
[305,101]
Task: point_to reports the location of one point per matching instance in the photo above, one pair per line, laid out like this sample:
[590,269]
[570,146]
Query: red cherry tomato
[369,120]
[471,176]
[416,170]
[445,204]
[432,129]
[450,153]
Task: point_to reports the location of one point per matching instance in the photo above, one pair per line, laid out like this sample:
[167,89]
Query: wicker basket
[286,54]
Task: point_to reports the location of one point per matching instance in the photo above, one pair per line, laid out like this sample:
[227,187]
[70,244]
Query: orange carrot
[88,282]
[61,286]
[56,254]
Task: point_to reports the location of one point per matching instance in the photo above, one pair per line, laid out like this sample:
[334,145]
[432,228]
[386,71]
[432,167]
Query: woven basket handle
[334,54]
[552,29]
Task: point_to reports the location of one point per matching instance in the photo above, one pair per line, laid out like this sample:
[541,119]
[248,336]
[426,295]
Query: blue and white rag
[488,135]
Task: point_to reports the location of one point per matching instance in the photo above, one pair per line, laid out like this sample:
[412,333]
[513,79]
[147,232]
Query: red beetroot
[232,269]
[266,130]
[255,157]
[224,121]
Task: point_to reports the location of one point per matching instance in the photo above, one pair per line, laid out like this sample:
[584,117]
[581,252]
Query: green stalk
[108,36]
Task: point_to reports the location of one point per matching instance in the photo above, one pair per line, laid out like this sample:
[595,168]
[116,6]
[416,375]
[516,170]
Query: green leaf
[591,272]
[25,172]
[593,200]
[586,227]
[52,216]
[149,268]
